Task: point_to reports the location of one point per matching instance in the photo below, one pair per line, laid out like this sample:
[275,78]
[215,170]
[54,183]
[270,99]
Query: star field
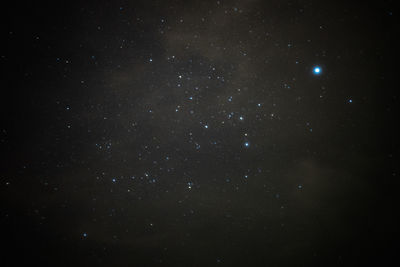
[199,133]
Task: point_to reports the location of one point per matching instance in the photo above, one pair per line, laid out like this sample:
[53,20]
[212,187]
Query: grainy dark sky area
[199,133]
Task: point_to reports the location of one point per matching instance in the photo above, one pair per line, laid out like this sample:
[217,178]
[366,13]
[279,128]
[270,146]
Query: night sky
[199,133]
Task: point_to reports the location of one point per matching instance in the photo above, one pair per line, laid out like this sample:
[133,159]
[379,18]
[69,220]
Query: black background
[100,90]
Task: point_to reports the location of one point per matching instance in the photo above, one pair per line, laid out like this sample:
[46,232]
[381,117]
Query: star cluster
[197,133]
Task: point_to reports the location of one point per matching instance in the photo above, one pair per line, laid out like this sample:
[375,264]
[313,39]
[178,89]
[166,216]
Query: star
[190,185]
[317,70]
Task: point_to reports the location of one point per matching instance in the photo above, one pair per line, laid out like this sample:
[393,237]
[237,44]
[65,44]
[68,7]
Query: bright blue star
[317,70]
[246,144]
